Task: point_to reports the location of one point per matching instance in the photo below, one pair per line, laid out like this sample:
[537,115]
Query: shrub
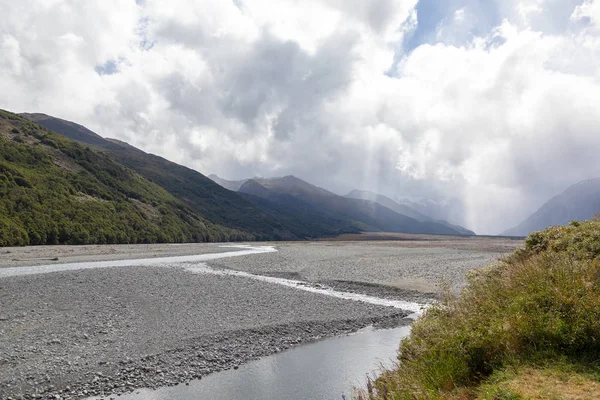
[50,142]
[541,303]
[579,239]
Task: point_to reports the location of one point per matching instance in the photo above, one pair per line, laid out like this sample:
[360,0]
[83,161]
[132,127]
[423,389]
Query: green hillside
[57,191]
[215,203]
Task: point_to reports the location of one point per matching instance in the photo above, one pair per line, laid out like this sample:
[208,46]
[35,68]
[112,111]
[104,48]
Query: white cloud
[588,13]
[501,120]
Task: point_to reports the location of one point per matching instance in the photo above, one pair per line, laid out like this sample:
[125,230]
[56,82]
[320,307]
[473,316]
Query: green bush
[50,142]
[579,239]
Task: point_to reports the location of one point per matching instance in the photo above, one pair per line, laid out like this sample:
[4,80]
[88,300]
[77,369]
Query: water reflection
[319,371]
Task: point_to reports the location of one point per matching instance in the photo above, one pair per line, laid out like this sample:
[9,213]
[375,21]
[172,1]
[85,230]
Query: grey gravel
[93,332]
[383,263]
[107,331]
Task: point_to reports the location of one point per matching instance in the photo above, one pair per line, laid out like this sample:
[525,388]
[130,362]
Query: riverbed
[80,321]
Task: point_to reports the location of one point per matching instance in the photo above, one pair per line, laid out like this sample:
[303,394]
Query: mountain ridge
[580,201]
[404,209]
[54,190]
[285,208]
[354,212]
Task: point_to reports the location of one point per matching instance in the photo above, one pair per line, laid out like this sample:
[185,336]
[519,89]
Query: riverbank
[89,332]
[525,328]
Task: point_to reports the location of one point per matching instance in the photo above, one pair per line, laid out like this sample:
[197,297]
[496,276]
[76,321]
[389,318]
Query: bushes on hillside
[90,200]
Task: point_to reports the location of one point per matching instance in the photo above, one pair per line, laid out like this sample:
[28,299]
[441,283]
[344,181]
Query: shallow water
[158,261]
[201,268]
[194,264]
[319,371]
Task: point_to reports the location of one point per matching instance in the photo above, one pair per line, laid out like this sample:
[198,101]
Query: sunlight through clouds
[491,104]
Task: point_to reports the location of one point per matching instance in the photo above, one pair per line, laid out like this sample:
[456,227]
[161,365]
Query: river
[324,370]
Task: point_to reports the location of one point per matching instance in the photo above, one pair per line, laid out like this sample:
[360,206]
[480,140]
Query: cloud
[490,102]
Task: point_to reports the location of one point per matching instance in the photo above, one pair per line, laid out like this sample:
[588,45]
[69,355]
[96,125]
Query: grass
[556,381]
[527,327]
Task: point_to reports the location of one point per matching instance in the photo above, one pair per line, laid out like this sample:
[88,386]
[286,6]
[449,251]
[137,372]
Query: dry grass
[551,382]
[554,385]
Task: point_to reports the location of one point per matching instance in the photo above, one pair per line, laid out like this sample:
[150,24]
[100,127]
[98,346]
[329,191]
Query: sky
[491,102]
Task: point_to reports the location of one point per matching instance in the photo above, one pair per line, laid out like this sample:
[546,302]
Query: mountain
[389,203]
[229,185]
[403,209]
[451,210]
[348,212]
[283,208]
[56,191]
[579,202]
[215,203]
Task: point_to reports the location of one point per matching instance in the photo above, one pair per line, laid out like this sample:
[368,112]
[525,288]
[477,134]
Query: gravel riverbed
[81,333]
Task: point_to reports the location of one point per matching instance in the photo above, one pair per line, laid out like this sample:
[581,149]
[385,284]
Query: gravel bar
[101,332]
[93,332]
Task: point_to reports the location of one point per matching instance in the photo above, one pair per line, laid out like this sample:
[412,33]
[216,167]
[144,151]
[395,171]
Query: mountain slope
[387,202]
[304,219]
[54,190]
[451,210]
[212,201]
[579,202]
[287,208]
[229,185]
[403,209]
[351,213]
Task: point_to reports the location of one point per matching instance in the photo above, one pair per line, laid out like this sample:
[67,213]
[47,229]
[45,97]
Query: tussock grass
[538,308]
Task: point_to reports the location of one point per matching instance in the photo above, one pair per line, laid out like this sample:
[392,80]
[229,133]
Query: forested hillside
[56,191]
[205,197]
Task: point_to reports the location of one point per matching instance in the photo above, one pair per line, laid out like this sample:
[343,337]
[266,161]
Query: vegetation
[265,219]
[528,327]
[56,191]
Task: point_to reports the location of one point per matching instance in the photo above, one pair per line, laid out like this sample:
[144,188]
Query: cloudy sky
[494,102]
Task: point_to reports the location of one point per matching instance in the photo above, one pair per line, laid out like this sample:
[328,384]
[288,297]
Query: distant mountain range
[354,211]
[62,183]
[164,201]
[404,209]
[579,202]
[451,210]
